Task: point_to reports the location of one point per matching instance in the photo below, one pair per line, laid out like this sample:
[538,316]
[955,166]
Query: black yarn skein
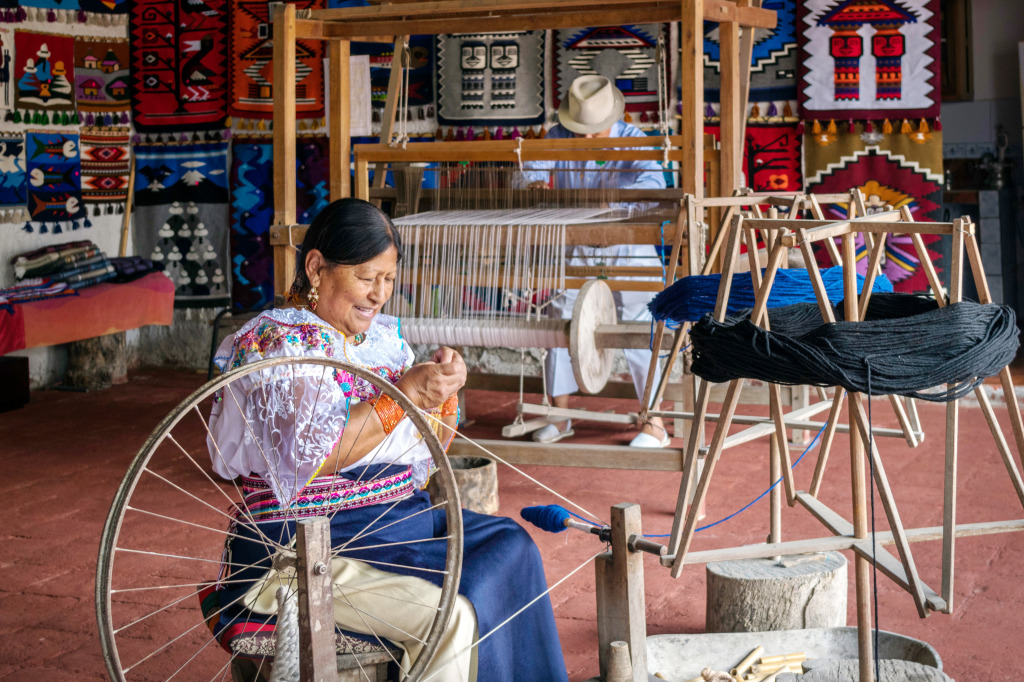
[906,345]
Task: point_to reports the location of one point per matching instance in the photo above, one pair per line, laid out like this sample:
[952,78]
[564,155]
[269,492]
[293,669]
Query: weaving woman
[316,435]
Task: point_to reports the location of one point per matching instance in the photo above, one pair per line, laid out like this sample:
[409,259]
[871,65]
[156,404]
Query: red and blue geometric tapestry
[869,59]
[771,156]
[252,68]
[106,163]
[626,55]
[896,170]
[178,65]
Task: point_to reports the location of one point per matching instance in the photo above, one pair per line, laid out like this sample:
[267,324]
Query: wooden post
[862,567]
[956,273]
[284,138]
[691,129]
[317,658]
[340,121]
[730,118]
[621,614]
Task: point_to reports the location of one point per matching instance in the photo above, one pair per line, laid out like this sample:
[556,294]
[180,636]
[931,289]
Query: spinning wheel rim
[595,306]
[114,522]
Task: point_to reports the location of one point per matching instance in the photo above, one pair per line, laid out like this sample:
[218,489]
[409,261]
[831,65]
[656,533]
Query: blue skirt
[502,571]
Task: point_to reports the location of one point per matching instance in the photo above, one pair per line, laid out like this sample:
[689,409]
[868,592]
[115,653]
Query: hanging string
[690,298]
[913,346]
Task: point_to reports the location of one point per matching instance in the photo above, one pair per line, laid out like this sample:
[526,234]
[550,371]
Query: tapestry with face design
[898,170]
[491,78]
[869,59]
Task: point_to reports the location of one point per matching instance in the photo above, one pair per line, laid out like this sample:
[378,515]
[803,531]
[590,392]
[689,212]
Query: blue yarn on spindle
[549,517]
[690,298]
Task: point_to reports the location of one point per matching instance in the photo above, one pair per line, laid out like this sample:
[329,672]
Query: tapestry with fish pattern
[101,81]
[13,179]
[54,169]
[869,59]
[252,91]
[897,170]
[178,65]
[181,197]
[252,209]
[491,78]
[106,163]
[626,55]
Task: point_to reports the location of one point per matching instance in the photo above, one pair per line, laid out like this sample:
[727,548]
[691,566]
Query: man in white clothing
[594,108]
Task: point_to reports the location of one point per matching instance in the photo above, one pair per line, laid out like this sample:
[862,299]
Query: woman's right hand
[429,384]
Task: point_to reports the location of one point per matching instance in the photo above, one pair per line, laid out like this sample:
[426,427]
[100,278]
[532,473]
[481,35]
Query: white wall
[998,25]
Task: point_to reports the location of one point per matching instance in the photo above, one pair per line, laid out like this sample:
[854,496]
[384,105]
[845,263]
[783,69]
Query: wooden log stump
[97,362]
[477,480]
[794,593]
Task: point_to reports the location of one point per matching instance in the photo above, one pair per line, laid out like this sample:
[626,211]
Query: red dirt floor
[64,454]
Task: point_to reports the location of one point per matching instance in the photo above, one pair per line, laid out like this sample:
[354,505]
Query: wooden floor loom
[622,579]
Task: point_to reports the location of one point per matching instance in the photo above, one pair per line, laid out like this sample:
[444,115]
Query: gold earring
[313,297]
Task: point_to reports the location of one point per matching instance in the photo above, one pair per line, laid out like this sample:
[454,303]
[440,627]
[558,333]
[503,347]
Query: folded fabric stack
[131,268]
[34,289]
[74,264]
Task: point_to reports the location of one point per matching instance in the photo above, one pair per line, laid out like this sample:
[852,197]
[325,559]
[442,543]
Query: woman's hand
[429,384]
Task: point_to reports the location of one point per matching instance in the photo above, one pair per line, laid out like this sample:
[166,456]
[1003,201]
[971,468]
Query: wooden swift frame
[785,234]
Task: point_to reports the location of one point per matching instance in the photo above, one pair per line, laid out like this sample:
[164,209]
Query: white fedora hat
[593,105]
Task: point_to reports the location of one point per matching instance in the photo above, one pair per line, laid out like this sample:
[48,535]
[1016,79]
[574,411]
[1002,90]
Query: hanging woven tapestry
[44,72]
[106,164]
[252,210]
[101,80]
[771,157]
[13,180]
[6,69]
[491,78]
[181,196]
[626,55]
[178,65]
[252,54]
[54,170]
[869,59]
[896,170]
[422,117]
[773,61]
[105,6]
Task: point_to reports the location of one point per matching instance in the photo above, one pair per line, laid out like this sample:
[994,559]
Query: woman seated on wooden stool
[301,434]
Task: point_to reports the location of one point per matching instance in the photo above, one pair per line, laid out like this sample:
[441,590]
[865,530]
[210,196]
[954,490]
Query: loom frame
[799,234]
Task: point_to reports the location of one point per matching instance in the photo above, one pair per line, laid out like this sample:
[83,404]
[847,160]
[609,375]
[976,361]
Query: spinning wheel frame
[109,544]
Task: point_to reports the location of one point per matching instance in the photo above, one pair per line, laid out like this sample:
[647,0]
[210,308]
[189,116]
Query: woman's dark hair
[347,232]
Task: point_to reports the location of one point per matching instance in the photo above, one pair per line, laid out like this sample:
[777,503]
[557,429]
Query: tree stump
[477,480]
[97,362]
[755,595]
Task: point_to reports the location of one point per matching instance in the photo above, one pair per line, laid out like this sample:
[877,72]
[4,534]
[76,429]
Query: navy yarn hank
[690,298]
[906,345]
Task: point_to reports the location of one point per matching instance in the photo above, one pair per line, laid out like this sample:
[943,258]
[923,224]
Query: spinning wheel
[163,545]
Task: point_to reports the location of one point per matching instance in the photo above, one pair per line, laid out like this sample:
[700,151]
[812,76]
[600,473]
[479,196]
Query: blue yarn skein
[690,298]
[550,517]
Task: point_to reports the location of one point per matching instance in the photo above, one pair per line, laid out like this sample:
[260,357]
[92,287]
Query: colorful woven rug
[771,157]
[105,6]
[252,210]
[898,170]
[773,63]
[181,197]
[491,78]
[869,59]
[101,80]
[13,179]
[53,167]
[106,164]
[626,55]
[179,65]
[252,92]
[44,74]
[422,103]
[6,69]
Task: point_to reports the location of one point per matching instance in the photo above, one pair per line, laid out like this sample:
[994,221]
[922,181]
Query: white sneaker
[552,434]
[646,440]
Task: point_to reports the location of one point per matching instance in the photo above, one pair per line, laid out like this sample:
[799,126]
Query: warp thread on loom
[690,298]
[906,345]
